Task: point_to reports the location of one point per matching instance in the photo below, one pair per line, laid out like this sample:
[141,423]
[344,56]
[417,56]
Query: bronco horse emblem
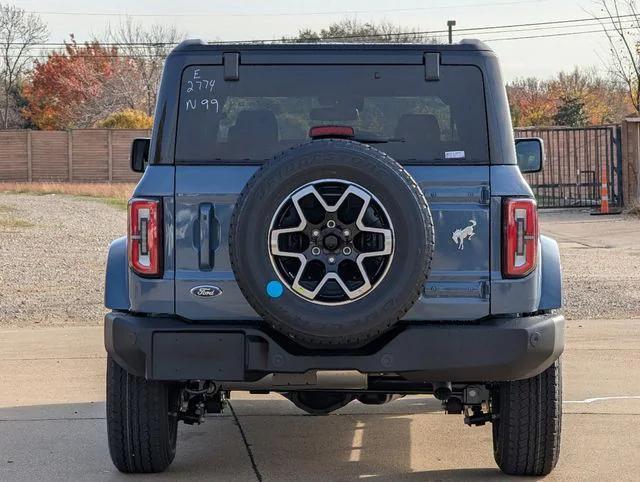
[459,235]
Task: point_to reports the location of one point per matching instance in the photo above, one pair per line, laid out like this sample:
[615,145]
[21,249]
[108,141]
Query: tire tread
[526,436]
[137,423]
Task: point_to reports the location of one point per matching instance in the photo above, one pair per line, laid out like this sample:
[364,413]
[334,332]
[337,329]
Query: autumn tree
[349,30]
[78,86]
[603,99]
[19,33]
[530,103]
[127,119]
[578,97]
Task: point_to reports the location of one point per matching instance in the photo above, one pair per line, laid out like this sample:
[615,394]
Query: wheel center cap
[331,242]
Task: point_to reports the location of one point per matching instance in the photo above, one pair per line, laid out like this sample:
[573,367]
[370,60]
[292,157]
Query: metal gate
[571,174]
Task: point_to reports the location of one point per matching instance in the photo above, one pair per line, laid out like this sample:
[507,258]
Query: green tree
[571,112]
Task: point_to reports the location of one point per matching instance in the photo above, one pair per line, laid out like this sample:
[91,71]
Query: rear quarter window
[272,108]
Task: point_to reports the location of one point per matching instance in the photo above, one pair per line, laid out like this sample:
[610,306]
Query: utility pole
[450,25]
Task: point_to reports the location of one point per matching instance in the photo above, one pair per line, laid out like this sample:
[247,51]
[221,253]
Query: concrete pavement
[52,421]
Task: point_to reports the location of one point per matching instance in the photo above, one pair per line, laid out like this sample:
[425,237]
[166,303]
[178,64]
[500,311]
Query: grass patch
[9,222]
[116,202]
[14,223]
[634,210]
[113,194]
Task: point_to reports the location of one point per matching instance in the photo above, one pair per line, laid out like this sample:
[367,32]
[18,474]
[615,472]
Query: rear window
[272,108]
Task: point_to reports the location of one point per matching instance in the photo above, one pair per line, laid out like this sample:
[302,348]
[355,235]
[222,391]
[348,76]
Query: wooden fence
[631,161]
[79,155]
[571,176]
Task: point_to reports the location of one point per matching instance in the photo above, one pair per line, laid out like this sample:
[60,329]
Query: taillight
[520,239]
[145,237]
[319,132]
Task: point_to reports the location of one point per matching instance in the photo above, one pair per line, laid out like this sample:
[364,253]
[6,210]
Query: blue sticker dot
[275,289]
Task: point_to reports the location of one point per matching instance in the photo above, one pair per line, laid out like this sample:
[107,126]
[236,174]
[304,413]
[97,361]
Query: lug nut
[346,250]
[331,223]
[315,233]
[346,232]
[332,260]
[315,251]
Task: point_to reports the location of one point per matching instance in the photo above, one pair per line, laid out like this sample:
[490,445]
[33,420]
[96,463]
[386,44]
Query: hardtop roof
[197,46]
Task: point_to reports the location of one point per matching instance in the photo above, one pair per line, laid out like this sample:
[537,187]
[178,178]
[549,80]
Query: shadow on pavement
[390,442]
[68,441]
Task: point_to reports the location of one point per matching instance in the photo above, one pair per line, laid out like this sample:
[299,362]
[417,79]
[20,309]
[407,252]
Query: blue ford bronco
[334,223]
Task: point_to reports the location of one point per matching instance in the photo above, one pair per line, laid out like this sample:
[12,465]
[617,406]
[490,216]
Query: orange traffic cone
[604,194]
[604,190]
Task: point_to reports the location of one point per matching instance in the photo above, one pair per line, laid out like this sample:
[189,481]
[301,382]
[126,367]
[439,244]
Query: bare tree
[146,47]
[622,29]
[19,33]
[352,30]
[117,91]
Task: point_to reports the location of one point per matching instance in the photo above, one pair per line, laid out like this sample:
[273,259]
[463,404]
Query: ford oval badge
[206,291]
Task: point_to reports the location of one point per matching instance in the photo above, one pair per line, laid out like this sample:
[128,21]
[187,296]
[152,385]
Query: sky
[247,20]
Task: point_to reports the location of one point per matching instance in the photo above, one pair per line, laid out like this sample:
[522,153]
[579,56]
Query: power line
[467,30]
[101,44]
[141,56]
[568,23]
[551,22]
[479,30]
[483,30]
[159,56]
[288,14]
[560,34]
[624,23]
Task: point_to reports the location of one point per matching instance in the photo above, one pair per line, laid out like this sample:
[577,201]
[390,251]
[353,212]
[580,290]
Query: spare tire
[331,243]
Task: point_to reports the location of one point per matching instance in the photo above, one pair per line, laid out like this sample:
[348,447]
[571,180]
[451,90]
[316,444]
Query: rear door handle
[208,236]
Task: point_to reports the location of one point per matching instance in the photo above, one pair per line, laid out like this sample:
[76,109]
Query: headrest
[257,126]
[418,128]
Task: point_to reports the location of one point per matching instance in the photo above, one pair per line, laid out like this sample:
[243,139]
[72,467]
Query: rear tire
[526,434]
[142,434]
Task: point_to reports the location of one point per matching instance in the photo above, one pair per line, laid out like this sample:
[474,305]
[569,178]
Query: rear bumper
[494,350]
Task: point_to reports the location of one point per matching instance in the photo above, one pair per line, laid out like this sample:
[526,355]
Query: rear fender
[551,279]
[116,289]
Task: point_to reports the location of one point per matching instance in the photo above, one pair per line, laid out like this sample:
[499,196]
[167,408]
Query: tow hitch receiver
[196,401]
[474,415]
[473,400]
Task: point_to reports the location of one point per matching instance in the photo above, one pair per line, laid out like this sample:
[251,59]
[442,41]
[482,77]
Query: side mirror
[530,154]
[139,154]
